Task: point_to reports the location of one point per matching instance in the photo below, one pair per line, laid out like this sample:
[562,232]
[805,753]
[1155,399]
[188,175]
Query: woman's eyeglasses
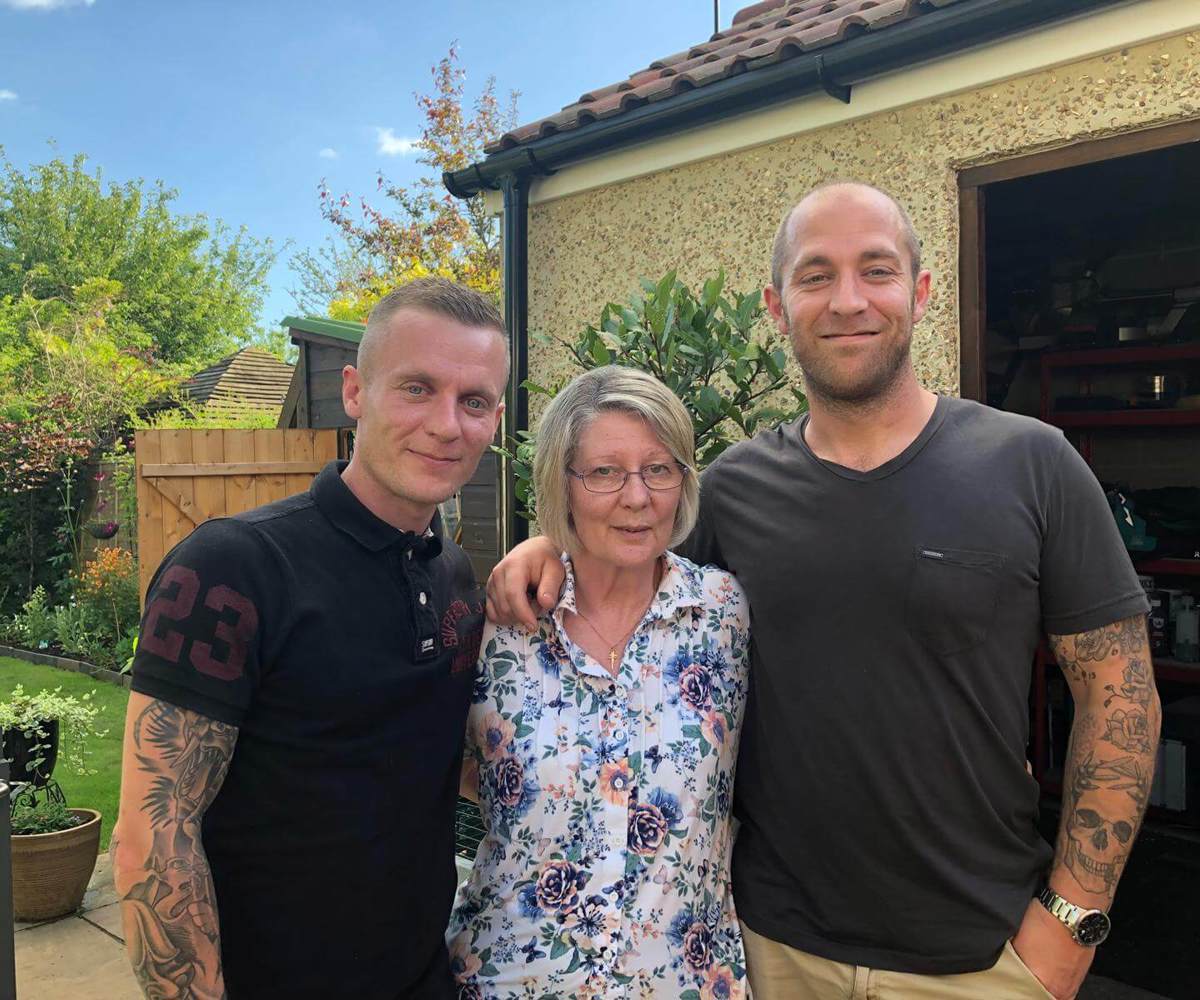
[610,479]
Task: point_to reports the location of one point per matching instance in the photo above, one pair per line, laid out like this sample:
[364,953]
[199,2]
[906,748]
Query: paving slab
[70,958]
[107,918]
[100,891]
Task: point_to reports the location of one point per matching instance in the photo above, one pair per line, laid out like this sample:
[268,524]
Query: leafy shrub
[106,590]
[42,816]
[702,347]
[76,721]
[73,629]
[33,625]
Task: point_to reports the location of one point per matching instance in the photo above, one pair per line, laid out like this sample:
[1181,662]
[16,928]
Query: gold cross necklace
[612,646]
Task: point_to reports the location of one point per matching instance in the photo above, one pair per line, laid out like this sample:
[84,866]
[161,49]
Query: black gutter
[834,71]
[900,46]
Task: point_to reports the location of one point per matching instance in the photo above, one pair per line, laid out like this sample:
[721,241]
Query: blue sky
[233,101]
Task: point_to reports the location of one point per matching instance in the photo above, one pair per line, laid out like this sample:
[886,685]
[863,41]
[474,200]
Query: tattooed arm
[174,763]
[1106,784]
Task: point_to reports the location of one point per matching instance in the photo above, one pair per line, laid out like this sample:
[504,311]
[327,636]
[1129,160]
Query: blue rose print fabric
[605,869]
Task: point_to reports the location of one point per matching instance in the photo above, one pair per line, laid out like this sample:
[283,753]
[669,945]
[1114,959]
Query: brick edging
[64,663]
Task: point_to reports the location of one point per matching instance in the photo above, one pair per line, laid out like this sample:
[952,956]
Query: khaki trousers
[780,972]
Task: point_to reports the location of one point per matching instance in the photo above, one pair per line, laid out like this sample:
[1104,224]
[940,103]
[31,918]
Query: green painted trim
[336,328]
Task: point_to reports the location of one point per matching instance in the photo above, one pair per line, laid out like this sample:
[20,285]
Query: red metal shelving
[1125,418]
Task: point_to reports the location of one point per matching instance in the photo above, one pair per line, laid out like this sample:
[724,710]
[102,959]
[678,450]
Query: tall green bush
[702,347]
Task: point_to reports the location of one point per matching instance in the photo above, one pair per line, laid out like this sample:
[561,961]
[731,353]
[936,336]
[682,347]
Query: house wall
[591,247]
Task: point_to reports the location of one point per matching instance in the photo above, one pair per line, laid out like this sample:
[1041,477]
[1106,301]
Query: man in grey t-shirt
[903,555]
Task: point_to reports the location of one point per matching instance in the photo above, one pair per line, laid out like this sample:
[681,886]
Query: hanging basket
[51,871]
[21,751]
[102,529]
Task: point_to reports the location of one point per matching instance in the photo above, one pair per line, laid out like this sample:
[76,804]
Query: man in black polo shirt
[293,741]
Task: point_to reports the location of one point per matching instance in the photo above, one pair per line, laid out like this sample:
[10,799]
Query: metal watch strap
[1064,910]
[1089,928]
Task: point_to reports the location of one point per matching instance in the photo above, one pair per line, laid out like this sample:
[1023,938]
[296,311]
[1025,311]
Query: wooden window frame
[972,201]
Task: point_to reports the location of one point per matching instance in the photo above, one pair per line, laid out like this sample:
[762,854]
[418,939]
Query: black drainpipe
[936,33]
[515,186]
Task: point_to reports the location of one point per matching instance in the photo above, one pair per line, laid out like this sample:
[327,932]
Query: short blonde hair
[611,388]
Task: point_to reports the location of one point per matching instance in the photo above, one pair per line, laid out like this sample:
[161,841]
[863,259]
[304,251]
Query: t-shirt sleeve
[1086,577]
[201,643]
[702,546]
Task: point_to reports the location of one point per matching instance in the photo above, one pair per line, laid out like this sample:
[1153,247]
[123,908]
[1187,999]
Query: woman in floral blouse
[601,749]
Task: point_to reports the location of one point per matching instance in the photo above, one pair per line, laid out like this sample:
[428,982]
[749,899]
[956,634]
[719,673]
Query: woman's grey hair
[608,389]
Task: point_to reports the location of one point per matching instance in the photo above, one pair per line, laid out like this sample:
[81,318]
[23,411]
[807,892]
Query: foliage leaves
[702,347]
[425,230]
[190,290]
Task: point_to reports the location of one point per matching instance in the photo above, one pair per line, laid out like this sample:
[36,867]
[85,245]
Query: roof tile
[761,34]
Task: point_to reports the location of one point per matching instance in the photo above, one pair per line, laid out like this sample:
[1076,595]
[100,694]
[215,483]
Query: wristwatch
[1088,927]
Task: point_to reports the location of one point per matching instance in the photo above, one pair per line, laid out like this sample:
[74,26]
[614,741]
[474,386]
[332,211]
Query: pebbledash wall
[590,247]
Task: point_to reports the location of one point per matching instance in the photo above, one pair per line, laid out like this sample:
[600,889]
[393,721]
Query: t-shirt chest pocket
[952,597]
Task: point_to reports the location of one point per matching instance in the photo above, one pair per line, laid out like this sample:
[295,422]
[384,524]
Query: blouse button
[619,735]
[421,597]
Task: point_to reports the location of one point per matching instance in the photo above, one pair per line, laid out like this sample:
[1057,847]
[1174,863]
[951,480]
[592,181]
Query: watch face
[1093,928]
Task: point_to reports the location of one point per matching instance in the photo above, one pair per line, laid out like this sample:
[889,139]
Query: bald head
[783,250]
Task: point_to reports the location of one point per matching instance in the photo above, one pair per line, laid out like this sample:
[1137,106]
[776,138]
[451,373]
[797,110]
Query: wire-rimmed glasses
[610,479]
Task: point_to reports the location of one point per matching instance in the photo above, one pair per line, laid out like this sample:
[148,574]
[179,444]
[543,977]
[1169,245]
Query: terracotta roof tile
[760,34]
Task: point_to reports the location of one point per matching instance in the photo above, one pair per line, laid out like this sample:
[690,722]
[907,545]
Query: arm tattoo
[173,935]
[1105,793]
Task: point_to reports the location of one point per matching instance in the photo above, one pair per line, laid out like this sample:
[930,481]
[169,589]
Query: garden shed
[248,379]
[314,400]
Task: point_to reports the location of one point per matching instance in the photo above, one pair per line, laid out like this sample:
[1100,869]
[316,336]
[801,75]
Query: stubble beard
[821,378]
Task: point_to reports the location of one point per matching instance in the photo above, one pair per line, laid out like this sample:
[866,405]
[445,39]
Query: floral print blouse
[605,869]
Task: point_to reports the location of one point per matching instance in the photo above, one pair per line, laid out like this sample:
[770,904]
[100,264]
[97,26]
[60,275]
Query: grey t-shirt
[887,816]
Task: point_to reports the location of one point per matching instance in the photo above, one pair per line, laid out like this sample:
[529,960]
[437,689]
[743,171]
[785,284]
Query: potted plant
[54,851]
[35,729]
[54,848]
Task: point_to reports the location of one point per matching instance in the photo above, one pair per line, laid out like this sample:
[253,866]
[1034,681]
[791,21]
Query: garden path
[83,957]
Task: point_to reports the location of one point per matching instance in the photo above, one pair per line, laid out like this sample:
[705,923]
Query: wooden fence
[185,477]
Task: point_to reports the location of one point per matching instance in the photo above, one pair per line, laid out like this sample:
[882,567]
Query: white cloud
[328,154]
[8,95]
[391,144]
[44,4]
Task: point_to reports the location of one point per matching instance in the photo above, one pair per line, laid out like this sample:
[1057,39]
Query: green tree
[191,290]
[425,230]
[107,299]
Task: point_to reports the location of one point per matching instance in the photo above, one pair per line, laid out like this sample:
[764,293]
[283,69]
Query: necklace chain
[612,646]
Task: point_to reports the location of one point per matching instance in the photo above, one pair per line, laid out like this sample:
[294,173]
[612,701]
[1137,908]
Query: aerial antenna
[716,16]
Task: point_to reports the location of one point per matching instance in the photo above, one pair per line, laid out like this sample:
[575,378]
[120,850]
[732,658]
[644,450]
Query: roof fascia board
[1113,28]
[337,329]
[304,336]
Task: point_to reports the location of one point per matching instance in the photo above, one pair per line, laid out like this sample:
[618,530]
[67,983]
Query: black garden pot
[20,750]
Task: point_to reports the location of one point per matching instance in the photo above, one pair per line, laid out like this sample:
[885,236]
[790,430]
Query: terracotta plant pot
[51,871]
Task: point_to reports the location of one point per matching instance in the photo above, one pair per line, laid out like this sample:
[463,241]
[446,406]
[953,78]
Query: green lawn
[93,791]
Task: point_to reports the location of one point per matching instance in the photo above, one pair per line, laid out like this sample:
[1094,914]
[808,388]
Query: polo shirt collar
[347,513]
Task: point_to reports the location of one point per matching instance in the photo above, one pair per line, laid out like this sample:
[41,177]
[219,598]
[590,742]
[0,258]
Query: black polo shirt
[344,652]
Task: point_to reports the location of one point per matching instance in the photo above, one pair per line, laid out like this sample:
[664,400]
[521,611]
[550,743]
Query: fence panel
[185,477]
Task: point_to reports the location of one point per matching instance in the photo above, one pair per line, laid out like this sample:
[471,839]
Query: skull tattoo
[1099,845]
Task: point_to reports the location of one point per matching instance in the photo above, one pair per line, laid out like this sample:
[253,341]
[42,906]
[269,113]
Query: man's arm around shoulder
[175,761]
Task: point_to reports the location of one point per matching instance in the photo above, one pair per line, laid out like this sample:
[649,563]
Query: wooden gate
[184,477]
